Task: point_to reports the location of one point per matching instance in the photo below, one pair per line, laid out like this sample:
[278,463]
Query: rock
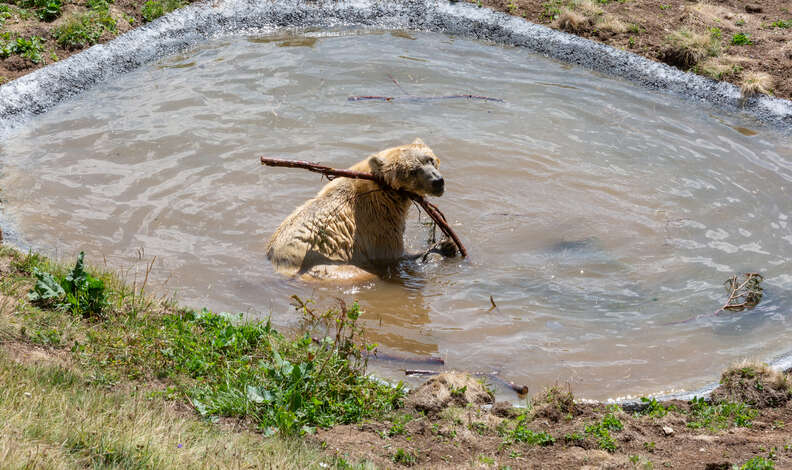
[668,430]
[752,8]
[448,389]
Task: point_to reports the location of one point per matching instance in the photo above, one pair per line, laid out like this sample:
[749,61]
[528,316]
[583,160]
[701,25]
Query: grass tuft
[687,48]
[754,83]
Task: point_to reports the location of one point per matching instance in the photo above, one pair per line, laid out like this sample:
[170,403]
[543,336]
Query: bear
[354,227]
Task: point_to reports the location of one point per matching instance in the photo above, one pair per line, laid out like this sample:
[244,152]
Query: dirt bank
[745,43]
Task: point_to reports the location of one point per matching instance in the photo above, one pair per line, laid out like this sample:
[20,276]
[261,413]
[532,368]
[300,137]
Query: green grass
[53,416]
[219,363]
[84,30]
[153,9]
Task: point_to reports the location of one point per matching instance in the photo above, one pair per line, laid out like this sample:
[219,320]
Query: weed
[5,13]
[483,459]
[552,9]
[46,10]
[79,292]
[721,416]
[522,434]
[84,30]
[405,457]
[631,41]
[634,28]
[715,33]
[153,9]
[601,431]
[782,24]
[30,48]
[757,463]
[665,7]
[512,7]
[398,425]
[740,22]
[649,446]
[458,391]
[654,408]
[741,39]
[573,437]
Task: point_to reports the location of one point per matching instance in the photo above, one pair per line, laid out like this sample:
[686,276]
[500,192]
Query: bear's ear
[376,163]
[418,141]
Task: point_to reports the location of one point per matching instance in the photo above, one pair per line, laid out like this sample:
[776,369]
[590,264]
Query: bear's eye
[414,171]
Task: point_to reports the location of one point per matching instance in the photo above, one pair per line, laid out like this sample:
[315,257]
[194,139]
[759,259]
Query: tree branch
[331,173]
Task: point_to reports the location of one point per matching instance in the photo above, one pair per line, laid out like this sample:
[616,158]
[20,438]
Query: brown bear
[354,227]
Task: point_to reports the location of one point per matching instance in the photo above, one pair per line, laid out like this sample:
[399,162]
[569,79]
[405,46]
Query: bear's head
[410,167]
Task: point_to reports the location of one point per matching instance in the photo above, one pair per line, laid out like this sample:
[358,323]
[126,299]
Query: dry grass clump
[572,21]
[612,24]
[448,389]
[588,8]
[686,48]
[754,383]
[753,83]
[720,68]
[555,402]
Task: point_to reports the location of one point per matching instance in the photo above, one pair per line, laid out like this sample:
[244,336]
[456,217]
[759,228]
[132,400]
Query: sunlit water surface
[598,216]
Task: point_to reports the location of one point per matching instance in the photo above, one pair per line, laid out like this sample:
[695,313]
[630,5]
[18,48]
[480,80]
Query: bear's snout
[438,186]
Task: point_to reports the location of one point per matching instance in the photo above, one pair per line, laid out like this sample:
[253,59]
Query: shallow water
[598,216]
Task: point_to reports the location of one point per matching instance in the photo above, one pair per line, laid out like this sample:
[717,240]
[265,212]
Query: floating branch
[331,173]
[742,295]
[421,99]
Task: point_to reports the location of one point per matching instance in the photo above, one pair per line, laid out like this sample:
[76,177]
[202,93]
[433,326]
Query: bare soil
[475,436]
[645,26]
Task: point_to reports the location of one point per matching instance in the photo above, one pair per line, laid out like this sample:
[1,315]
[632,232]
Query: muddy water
[598,216]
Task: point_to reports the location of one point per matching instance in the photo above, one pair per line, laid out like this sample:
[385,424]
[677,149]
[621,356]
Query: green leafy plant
[84,30]
[720,416]
[78,291]
[757,463]
[602,431]
[153,9]
[654,408]
[49,10]
[741,39]
[520,433]
[715,33]
[782,24]
[404,457]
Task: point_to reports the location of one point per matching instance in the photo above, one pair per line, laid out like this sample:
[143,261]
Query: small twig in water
[420,99]
[396,82]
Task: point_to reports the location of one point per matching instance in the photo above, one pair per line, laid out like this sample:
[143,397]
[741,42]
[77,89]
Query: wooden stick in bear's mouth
[331,173]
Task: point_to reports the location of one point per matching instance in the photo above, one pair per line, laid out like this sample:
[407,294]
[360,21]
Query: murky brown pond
[597,214]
